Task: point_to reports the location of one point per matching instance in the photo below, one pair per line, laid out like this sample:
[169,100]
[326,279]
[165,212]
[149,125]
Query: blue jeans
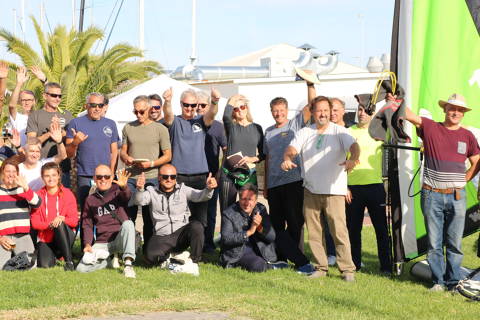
[445,221]
[211,220]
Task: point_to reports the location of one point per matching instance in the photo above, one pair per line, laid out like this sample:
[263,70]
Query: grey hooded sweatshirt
[170,213]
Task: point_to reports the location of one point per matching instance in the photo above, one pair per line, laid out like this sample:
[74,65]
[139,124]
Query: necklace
[320,139]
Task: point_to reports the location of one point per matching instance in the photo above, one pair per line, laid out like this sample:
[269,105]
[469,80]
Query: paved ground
[174,316]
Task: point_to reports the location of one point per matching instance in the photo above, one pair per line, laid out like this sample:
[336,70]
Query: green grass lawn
[278,294]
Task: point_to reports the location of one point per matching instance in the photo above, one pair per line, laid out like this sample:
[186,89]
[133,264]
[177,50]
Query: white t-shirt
[34,176]
[321,155]
[20,123]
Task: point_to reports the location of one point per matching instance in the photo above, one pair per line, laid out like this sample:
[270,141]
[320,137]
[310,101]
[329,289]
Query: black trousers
[286,210]
[190,235]
[61,246]
[372,197]
[197,209]
[228,192]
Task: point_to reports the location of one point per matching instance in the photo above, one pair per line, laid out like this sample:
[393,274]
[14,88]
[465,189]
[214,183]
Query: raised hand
[3,70]
[215,95]
[122,180]
[141,181]
[22,75]
[21,182]
[56,132]
[211,182]
[38,73]
[167,95]
[233,99]
[78,137]
[15,139]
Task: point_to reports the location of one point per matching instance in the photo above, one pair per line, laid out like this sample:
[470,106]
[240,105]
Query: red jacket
[67,207]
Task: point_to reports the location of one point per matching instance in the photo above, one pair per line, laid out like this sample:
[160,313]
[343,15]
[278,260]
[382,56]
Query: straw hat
[307,75]
[455,100]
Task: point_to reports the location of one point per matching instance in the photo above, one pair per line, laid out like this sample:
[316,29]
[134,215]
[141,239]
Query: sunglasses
[237,109]
[168,176]
[189,105]
[202,105]
[54,95]
[157,107]
[95,105]
[139,112]
[105,176]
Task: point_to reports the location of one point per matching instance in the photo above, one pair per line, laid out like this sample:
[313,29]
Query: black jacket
[235,223]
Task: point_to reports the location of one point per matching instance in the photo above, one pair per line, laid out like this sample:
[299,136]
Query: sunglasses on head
[105,176]
[157,107]
[95,105]
[54,95]
[168,176]
[139,112]
[237,109]
[189,105]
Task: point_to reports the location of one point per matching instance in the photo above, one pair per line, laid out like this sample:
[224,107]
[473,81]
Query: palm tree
[66,58]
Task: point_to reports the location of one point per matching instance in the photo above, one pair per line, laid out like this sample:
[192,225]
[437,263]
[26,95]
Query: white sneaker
[128,272]
[189,267]
[115,262]
[181,257]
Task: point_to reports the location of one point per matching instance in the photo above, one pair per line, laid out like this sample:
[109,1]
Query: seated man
[249,241]
[170,215]
[106,210]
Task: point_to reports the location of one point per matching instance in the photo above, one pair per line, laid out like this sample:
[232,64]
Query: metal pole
[193,57]
[141,26]
[82,15]
[74,5]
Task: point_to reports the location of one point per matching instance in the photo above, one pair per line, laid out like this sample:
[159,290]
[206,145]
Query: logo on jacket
[108,131]
[196,127]
[106,209]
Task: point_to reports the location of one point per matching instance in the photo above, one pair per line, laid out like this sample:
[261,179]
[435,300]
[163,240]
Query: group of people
[318,173]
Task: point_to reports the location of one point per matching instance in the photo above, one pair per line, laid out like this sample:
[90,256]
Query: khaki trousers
[332,209]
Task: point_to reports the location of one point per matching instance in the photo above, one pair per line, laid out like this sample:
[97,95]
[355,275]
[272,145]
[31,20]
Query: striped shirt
[445,154]
[15,205]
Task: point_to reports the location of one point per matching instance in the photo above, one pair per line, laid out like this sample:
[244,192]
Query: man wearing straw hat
[447,146]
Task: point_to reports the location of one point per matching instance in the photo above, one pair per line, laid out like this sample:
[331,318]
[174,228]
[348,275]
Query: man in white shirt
[323,149]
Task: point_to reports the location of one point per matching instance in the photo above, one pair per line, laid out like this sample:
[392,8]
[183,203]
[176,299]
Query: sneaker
[437,288]
[128,272]
[189,267]
[318,274]
[306,270]
[115,262]
[348,277]
[181,257]
[278,265]
[331,260]
[69,266]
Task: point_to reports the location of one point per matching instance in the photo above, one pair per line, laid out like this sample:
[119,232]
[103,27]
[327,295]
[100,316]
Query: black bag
[19,262]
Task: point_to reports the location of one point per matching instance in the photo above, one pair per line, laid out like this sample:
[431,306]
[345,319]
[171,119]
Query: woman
[245,136]
[55,219]
[16,199]
[30,168]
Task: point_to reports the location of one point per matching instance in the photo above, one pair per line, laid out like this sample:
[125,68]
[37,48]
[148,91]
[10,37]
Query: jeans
[445,221]
[211,221]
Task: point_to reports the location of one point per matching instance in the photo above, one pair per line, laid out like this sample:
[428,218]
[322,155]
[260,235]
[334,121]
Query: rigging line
[108,21]
[113,26]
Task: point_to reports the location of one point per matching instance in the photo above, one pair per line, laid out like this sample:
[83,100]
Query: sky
[357,29]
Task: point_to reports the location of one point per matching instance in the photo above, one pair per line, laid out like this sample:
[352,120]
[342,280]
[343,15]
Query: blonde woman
[245,137]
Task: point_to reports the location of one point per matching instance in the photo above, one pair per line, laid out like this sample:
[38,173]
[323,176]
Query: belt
[444,191]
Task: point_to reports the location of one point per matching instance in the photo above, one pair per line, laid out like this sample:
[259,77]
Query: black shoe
[69,266]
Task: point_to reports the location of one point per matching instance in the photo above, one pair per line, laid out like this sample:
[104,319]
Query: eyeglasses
[95,105]
[168,176]
[237,109]
[202,105]
[54,95]
[157,107]
[105,176]
[189,105]
[139,112]
[27,100]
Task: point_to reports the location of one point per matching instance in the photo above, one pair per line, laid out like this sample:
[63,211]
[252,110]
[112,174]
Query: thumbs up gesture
[211,182]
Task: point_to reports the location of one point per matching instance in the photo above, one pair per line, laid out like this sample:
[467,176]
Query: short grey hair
[189,92]
[339,101]
[204,96]
[142,98]
[94,94]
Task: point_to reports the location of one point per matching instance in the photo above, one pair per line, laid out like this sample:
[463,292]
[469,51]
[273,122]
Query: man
[187,134]
[170,213]
[446,147]
[323,147]
[115,233]
[145,148]
[284,190]
[365,190]
[92,139]
[156,109]
[249,241]
[214,140]
[39,122]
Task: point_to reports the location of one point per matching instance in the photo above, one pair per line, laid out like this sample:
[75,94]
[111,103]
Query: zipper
[169,217]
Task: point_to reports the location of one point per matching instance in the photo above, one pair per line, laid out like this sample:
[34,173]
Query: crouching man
[249,241]
[173,232]
[106,211]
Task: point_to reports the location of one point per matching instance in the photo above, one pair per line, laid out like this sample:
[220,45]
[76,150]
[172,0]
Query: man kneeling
[173,233]
[249,241]
[106,210]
